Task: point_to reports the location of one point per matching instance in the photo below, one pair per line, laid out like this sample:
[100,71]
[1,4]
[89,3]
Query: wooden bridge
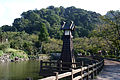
[84,72]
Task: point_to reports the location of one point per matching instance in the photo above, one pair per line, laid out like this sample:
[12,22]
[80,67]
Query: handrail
[91,70]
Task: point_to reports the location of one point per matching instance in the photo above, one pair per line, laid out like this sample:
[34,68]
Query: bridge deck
[111,71]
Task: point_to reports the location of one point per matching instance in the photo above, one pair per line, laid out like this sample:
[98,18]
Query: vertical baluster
[60,65]
[88,72]
[92,74]
[41,65]
[95,69]
[72,75]
[82,64]
[56,74]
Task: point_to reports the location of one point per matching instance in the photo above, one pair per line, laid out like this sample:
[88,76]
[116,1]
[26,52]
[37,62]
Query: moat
[20,70]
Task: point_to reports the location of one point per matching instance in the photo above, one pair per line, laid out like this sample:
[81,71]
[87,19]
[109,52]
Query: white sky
[11,9]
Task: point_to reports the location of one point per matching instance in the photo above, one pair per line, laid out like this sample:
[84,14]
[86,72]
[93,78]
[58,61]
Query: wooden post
[99,68]
[41,65]
[82,64]
[50,64]
[95,69]
[60,65]
[56,73]
[72,75]
[45,63]
[92,74]
[81,74]
[88,73]
[103,62]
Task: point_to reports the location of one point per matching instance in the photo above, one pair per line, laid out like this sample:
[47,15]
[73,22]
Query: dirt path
[111,71]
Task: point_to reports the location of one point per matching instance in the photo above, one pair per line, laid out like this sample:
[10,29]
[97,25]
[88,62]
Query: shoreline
[7,58]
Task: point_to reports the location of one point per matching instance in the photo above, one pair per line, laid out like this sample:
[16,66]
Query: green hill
[53,17]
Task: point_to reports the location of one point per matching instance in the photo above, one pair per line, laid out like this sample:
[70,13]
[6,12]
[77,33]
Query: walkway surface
[111,71]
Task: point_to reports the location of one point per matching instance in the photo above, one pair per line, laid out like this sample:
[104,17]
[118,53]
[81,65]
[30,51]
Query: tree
[8,28]
[110,32]
[43,35]
[52,17]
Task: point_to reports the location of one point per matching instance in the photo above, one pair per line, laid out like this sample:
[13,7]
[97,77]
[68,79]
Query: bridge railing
[86,72]
[57,66]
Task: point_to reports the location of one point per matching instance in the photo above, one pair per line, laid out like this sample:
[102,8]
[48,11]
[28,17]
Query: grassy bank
[9,54]
[15,53]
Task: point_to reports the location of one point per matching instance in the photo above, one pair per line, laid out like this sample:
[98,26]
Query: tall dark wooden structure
[67,59]
[67,49]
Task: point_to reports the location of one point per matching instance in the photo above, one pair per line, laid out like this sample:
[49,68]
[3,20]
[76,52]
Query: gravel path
[111,71]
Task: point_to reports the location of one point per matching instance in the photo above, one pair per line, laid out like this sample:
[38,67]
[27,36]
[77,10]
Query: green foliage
[88,45]
[110,33]
[28,47]
[1,52]
[20,40]
[53,46]
[32,21]
[4,46]
[43,35]
[15,53]
[8,28]
[110,56]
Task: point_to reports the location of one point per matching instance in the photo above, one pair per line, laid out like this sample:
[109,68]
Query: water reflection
[19,70]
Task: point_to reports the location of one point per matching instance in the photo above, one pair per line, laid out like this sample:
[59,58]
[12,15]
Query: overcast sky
[11,9]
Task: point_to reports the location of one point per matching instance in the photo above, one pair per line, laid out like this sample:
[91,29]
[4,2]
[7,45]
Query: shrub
[4,46]
[16,53]
[1,52]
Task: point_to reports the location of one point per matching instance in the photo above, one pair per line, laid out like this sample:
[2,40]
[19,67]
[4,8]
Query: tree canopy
[53,17]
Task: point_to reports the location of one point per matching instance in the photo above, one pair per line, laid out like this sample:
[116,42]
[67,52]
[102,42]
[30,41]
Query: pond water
[20,70]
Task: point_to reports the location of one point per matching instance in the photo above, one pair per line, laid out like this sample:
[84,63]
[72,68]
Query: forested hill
[53,17]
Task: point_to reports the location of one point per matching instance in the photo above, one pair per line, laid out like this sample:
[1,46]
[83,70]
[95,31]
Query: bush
[4,46]
[16,53]
[110,56]
[1,52]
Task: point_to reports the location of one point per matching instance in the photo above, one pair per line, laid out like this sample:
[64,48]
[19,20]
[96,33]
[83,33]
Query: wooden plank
[90,71]
[64,75]
[90,66]
[84,68]
[94,64]
[77,78]
[80,77]
[78,70]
